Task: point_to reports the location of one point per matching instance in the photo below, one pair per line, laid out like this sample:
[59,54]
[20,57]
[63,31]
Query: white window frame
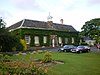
[36,39]
[44,39]
[66,40]
[73,41]
[27,39]
[60,40]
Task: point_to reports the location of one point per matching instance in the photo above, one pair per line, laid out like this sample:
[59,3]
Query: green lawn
[74,64]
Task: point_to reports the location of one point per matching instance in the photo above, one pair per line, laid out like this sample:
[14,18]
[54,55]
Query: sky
[73,12]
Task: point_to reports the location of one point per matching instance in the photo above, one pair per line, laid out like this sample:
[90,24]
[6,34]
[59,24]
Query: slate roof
[26,23]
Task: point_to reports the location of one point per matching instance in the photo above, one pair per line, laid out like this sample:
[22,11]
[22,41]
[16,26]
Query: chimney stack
[61,20]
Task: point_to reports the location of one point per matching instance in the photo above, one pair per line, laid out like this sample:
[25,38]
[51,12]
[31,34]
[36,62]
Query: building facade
[44,34]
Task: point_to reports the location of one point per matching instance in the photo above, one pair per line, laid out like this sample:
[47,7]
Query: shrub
[20,53]
[19,46]
[34,52]
[47,57]
[24,44]
[7,41]
[28,53]
[90,45]
[14,49]
[84,43]
[40,51]
[6,58]
[45,51]
[21,68]
[1,56]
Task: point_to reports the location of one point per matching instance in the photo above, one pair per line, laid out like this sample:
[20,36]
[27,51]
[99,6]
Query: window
[44,39]
[66,40]
[27,39]
[72,40]
[60,40]
[36,40]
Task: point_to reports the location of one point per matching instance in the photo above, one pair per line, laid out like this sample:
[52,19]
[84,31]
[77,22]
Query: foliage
[16,67]
[34,52]
[45,51]
[81,64]
[92,29]
[40,33]
[20,53]
[22,41]
[2,24]
[47,57]
[8,41]
[28,53]
[84,43]
[40,51]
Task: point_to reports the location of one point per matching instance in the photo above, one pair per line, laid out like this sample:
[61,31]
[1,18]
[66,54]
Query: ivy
[40,32]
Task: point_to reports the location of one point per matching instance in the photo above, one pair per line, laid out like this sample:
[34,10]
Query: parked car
[66,48]
[81,49]
[87,48]
[98,46]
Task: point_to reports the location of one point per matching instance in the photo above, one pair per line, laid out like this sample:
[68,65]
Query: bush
[19,46]
[21,68]
[14,49]
[34,52]
[40,51]
[20,53]
[7,41]
[47,57]
[45,51]
[24,44]
[28,53]
[84,43]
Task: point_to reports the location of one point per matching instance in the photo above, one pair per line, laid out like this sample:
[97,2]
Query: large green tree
[91,29]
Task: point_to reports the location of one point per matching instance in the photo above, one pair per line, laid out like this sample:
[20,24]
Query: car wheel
[80,51]
[88,50]
[64,50]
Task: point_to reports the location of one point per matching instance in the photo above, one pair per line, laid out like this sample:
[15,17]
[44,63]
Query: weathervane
[49,18]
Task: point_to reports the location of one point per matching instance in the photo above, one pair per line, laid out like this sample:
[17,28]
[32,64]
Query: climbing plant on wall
[41,33]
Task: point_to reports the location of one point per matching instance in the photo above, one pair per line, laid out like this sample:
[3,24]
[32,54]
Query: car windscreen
[68,46]
[80,47]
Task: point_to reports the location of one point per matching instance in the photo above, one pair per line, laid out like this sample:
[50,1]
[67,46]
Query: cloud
[26,5]
[94,2]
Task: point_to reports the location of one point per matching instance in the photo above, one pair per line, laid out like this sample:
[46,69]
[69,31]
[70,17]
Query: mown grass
[74,64]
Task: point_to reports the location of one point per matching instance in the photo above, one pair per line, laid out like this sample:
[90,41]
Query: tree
[91,29]
[7,40]
[2,24]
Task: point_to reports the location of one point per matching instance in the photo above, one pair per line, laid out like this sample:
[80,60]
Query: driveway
[93,49]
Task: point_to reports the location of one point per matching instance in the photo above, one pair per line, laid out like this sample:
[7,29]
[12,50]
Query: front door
[53,41]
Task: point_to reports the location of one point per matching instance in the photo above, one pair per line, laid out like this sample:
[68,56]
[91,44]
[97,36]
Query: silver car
[81,49]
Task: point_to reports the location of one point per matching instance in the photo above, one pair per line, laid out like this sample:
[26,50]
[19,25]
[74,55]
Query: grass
[77,64]
[74,64]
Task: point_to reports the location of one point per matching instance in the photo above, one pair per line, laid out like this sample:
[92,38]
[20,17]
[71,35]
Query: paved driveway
[93,49]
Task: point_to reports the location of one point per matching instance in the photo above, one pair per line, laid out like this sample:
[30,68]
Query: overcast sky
[73,12]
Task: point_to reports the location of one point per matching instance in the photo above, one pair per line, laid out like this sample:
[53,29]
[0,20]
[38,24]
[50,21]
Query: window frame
[59,40]
[73,40]
[36,40]
[66,40]
[27,39]
[45,39]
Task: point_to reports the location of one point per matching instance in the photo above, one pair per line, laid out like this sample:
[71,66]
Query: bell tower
[49,18]
[49,21]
